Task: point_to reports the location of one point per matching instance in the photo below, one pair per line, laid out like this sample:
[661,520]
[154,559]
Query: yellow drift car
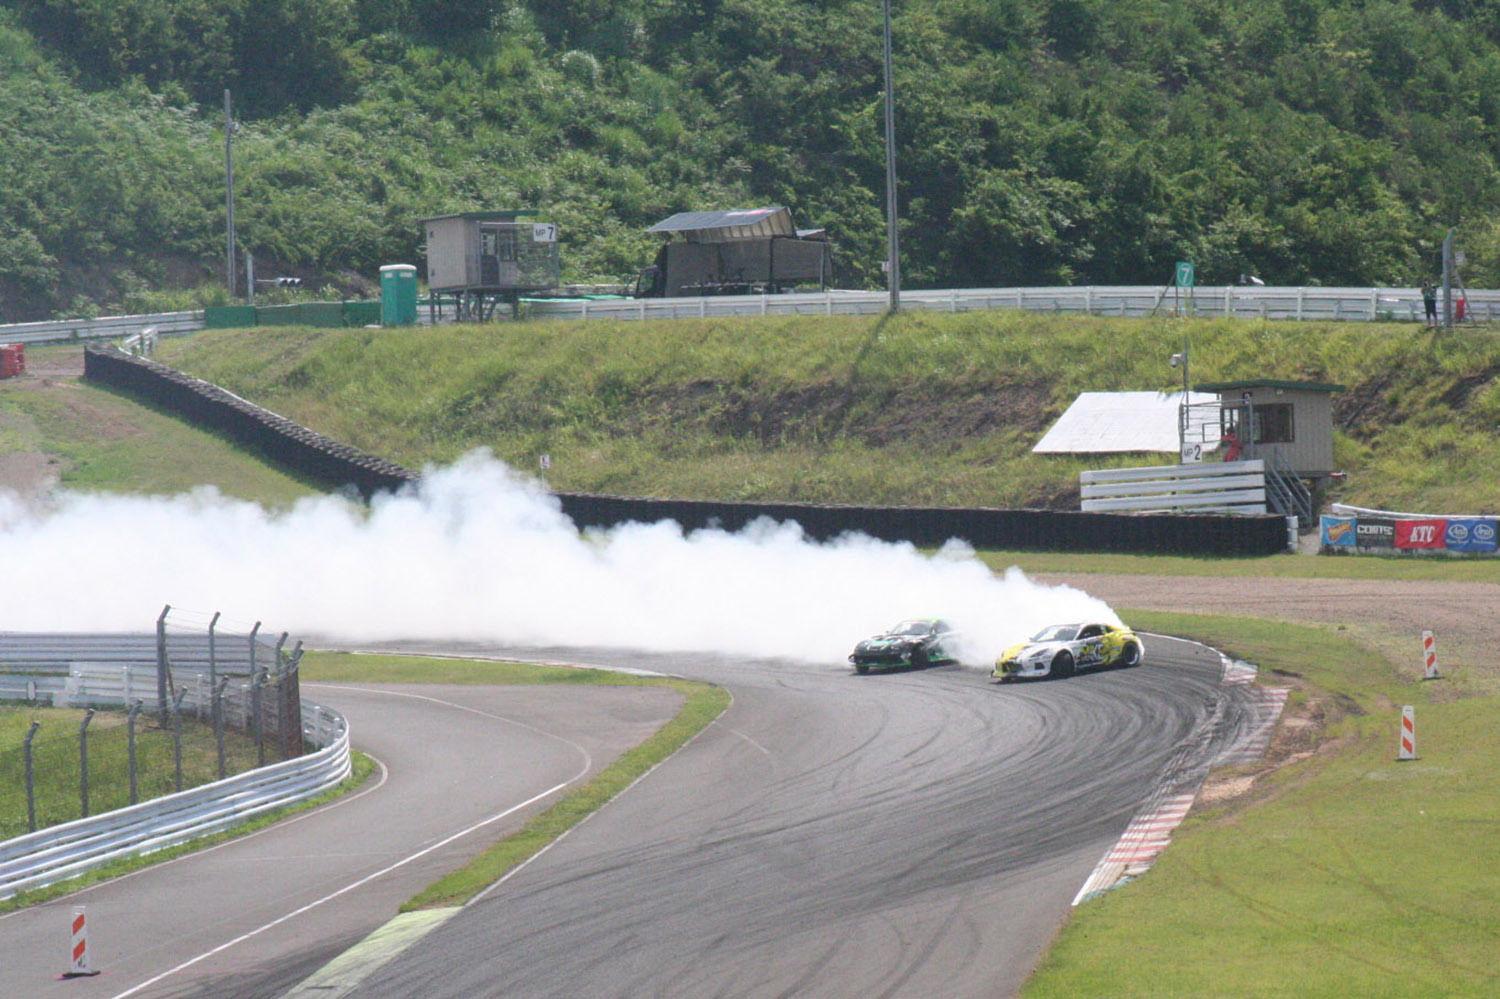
[1063,649]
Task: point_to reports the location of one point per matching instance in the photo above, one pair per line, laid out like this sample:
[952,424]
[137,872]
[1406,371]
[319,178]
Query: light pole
[1181,361]
[228,196]
[893,240]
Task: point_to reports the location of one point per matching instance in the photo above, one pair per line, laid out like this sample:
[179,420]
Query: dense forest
[1040,141]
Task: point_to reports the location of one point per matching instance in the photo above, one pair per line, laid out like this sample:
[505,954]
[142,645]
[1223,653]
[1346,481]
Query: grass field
[1341,874]
[102,441]
[57,768]
[923,408]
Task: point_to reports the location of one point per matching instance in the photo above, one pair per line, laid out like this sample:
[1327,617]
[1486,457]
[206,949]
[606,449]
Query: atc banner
[1471,535]
[1338,532]
[1375,533]
[1421,533]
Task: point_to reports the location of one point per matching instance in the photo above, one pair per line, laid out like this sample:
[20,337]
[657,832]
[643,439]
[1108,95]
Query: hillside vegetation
[918,408]
[1039,141]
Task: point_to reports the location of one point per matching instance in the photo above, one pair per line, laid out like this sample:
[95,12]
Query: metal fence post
[162,674]
[213,660]
[280,706]
[177,737]
[256,680]
[83,761]
[218,713]
[30,778]
[135,709]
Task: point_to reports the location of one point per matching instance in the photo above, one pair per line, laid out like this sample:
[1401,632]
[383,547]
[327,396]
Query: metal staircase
[1285,491]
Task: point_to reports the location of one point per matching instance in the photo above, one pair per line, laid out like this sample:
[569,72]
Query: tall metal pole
[229,275]
[1448,280]
[893,241]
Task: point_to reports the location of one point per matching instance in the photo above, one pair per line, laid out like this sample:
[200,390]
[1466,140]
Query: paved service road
[251,918]
[902,834]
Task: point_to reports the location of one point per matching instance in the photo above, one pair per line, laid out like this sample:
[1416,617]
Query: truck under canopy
[732,225]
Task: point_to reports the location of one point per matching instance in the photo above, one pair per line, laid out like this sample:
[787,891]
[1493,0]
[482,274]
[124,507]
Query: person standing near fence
[1429,301]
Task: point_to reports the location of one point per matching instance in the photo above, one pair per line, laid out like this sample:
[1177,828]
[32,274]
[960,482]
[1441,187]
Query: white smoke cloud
[480,552]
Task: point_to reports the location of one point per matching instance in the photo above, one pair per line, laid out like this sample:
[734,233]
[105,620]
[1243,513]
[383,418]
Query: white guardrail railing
[1239,301]
[107,328]
[73,848]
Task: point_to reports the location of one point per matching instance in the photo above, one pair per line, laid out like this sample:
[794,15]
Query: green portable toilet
[398,295]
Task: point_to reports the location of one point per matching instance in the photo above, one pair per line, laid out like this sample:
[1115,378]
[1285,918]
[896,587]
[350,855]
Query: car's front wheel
[919,658]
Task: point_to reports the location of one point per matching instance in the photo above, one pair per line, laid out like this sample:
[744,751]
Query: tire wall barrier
[930,527]
[302,451]
[336,465]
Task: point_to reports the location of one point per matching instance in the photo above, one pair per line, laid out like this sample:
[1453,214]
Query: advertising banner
[1471,535]
[1338,532]
[1375,533]
[1421,533]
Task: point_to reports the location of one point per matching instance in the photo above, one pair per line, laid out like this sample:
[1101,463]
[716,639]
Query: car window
[912,628]
[1057,633]
[1092,631]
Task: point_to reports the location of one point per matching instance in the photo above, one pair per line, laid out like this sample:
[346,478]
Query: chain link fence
[109,720]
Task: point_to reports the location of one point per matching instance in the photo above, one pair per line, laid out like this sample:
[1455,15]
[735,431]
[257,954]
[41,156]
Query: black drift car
[915,643]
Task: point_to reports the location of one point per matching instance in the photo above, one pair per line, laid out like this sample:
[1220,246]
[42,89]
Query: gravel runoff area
[1390,616]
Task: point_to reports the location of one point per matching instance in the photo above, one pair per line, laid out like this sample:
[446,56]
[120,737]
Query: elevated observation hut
[1288,424]
[485,259]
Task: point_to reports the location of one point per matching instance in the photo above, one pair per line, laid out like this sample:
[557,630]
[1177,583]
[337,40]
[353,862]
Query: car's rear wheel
[1062,664]
[1130,655]
[861,667]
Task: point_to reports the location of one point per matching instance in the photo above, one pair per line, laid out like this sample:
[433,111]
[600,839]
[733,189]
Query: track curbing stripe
[1150,831]
[348,971]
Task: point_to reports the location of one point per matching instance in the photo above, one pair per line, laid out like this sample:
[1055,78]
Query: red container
[12,359]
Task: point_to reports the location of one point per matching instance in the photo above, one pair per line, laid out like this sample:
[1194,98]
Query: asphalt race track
[914,834]
[252,917]
[897,834]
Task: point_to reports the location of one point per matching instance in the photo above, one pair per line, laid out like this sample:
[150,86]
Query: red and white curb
[1150,831]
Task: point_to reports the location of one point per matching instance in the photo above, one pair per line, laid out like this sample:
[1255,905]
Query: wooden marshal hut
[484,259]
[1281,421]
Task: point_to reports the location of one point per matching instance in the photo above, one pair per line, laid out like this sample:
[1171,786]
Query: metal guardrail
[64,851]
[1311,304]
[1238,301]
[106,328]
[224,654]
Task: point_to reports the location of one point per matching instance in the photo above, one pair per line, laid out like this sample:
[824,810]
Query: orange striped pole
[1408,750]
[79,967]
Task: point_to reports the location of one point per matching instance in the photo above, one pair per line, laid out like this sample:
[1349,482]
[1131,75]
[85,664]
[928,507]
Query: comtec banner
[1471,535]
[1420,533]
[1375,532]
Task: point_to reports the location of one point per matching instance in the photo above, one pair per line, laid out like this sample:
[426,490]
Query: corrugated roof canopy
[722,227]
[1127,422]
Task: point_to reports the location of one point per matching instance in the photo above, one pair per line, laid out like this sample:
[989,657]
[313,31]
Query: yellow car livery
[1062,649]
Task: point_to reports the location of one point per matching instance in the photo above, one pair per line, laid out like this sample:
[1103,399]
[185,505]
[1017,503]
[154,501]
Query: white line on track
[588,765]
